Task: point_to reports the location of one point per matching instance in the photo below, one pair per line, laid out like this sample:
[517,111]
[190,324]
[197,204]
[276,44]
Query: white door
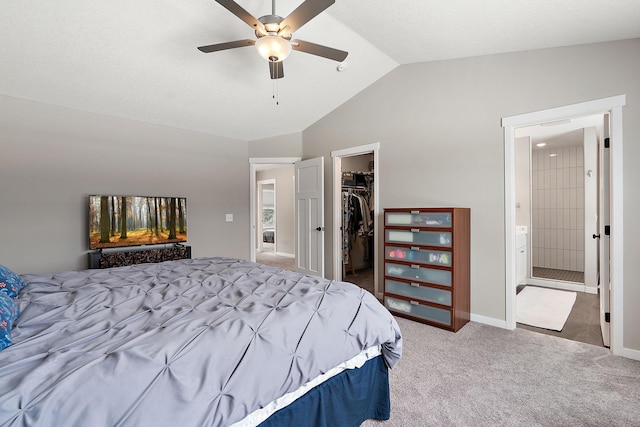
[309,215]
[604,220]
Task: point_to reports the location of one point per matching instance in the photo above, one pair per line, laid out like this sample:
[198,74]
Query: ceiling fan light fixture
[273,48]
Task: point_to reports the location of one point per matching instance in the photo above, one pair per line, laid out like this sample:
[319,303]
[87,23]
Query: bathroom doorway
[610,293]
[561,200]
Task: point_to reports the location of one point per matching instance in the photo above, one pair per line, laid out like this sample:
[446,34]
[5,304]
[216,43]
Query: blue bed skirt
[346,400]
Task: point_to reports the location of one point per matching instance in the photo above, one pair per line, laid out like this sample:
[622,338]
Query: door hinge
[607,317]
[607,230]
[606,143]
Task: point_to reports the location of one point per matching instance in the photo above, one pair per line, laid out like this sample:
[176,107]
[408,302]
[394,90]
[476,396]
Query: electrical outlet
[229,217]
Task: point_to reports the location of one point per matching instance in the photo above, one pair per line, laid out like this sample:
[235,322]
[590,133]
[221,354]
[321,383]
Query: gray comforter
[200,342]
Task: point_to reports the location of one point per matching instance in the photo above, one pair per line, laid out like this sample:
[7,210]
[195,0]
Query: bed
[196,342]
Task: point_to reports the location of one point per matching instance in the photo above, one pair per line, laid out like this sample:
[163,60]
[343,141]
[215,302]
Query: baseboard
[489,321]
[556,284]
[286,255]
[630,353]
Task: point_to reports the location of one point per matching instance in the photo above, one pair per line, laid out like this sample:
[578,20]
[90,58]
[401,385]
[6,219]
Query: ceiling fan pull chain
[275,94]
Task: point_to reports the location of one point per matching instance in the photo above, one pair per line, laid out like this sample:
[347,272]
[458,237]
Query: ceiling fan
[273,34]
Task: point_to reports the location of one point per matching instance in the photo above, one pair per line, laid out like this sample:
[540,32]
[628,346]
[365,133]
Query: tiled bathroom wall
[557,223]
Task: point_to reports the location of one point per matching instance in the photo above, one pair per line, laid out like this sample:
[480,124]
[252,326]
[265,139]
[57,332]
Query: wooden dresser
[426,265]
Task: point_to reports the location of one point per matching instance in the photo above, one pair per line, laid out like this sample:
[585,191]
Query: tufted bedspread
[200,342]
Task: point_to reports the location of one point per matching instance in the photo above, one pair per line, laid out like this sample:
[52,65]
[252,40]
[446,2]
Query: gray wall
[283,176]
[52,158]
[441,144]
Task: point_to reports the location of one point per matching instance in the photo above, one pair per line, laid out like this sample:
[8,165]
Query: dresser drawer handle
[415,248]
[415,285]
[416,266]
[414,303]
[415,230]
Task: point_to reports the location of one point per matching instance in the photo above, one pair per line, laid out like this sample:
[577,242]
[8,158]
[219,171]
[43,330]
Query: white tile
[566,259]
[573,198]
[534,257]
[553,218]
[573,260]
[553,182]
[547,238]
[580,198]
[553,258]
[560,239]
[565,157]
[573,156]
[580,177]
[566,218]
[567,239]
[553,239]
[553,196]
[547,179]
[547,259]
[580,155]
[547,160]
[572,178]
[573,239]
[547,199]
[566,181]
[559,198]
[553,162]
[580,261]
[580,219]
[580,240]
[573,219]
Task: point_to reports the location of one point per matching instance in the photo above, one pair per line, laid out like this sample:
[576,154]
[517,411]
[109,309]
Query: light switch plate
[229,217]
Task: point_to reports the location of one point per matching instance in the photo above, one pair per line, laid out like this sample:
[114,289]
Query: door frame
[337,156]
[613,106]
[253,169]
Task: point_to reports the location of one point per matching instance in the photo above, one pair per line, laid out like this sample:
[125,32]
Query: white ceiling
[138,59]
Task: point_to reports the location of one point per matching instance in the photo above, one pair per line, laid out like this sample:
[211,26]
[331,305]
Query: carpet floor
[488,376]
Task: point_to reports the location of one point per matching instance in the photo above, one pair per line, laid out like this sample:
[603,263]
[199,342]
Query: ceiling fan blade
[319,50]
[237,10]
[305,13]
[228,45]
[276,70]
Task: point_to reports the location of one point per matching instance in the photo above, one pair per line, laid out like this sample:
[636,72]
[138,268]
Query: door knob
[596,236]
[320,229]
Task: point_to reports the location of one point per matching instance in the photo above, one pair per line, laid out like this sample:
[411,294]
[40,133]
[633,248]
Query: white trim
[253,161]
[284,254]
[613,105]
[337,156]
[491,321]
[564,285]
[630,353]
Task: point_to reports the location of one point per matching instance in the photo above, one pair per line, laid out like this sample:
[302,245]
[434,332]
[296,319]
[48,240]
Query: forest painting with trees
[116,221]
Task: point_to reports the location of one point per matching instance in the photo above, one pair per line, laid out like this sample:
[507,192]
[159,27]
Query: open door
[309,216]
[604,220]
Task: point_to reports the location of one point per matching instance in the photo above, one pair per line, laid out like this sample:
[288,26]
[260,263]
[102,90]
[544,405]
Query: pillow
[8,314]
[10,282]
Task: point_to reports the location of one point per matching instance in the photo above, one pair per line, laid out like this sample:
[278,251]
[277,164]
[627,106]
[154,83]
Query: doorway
[613,107]
[271,192]
[355,219]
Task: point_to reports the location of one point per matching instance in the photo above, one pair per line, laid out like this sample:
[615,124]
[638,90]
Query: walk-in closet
[358,220]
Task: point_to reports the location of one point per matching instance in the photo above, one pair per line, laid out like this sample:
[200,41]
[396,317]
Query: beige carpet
[487,376]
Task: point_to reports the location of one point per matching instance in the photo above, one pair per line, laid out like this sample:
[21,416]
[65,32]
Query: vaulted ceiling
[138,59]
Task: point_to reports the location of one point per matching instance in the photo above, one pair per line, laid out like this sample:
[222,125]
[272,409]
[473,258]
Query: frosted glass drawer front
[415,290]
[418,218]
[415,308]
[419,237]
[424,256]
[416,272]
